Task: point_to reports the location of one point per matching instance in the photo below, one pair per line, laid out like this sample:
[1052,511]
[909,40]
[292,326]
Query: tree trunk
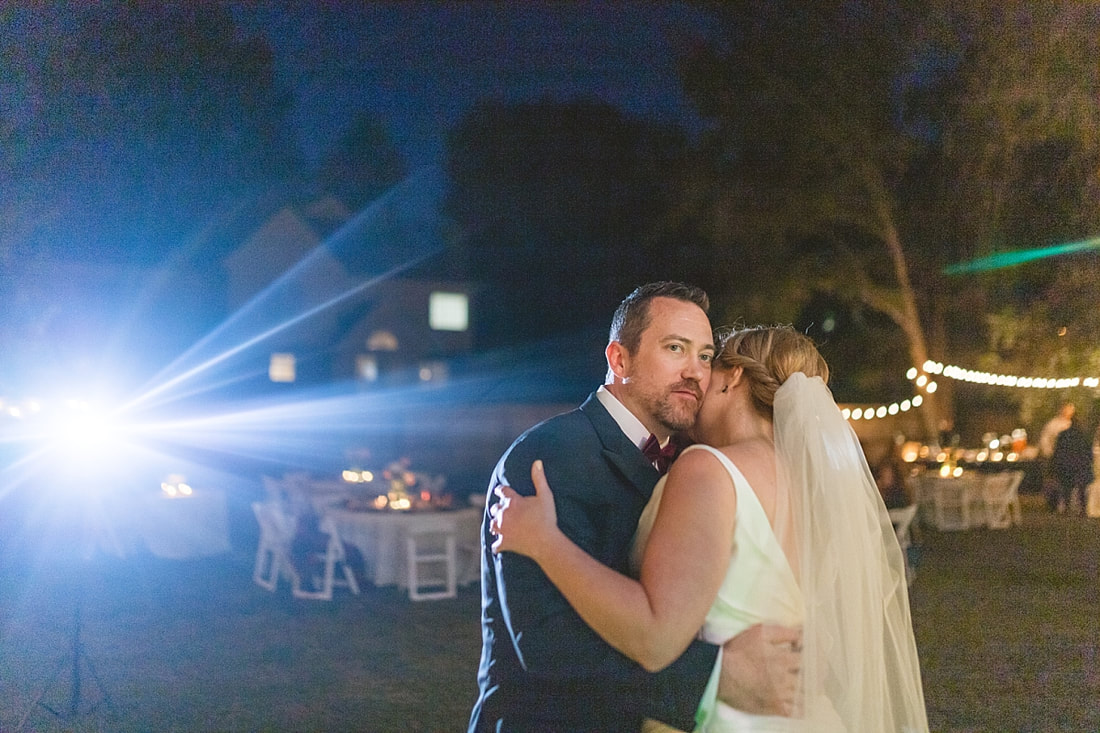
[909,319]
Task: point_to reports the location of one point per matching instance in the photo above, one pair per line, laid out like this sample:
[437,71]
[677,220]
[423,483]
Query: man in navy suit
[542,668]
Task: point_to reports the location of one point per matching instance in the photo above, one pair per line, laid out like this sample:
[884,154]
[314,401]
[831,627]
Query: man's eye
[708,358]
[675,347]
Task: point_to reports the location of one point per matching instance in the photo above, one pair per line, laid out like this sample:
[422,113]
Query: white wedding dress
[759,587]
[860,671]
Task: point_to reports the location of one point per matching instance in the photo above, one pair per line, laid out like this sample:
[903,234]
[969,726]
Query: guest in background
[1092,508]
[307,549]
[947,436]
[1071,463]
[1047,438]
[1054,427]
[892,478]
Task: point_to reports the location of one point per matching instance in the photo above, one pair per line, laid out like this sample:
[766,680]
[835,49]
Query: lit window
[448,311]
[366,368]
[281,368]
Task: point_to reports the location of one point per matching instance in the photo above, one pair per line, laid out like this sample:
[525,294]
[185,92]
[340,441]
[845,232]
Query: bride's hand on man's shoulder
[522,524]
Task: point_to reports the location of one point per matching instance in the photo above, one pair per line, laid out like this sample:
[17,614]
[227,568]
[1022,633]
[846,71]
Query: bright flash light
[84,438]
[84,430]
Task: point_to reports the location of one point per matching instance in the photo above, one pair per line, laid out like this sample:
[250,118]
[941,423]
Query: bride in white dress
[780,524]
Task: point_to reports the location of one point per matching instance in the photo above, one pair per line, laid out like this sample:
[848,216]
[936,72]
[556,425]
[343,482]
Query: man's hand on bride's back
[524,524]
[760,670]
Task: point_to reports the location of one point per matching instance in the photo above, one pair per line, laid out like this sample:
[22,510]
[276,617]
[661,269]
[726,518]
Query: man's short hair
[632,315]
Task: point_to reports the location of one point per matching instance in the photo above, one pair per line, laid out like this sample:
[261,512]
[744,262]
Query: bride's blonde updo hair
[768,355]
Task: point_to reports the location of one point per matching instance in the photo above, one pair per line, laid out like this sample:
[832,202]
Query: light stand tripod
[77,656]
[74,662]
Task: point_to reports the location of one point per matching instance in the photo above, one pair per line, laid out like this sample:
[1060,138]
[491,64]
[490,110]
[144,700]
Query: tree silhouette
[139,121]
[866,145]
[363,164]
[560,208]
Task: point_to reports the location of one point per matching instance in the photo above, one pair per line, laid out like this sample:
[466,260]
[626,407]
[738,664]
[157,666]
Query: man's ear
[618,360]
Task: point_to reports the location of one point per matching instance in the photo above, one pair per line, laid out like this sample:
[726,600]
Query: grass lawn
[1007,624]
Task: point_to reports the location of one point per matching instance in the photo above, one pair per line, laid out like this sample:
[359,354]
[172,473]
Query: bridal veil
[858,646]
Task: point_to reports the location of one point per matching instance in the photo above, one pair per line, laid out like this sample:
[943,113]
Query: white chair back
[902,519]
[432,545]
[273,551]
[1000,494]
[334,556]
[952,499]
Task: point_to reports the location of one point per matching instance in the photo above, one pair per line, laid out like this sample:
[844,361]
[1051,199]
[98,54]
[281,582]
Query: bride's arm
[653,619]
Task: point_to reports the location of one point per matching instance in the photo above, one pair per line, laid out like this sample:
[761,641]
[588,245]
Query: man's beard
[674,416]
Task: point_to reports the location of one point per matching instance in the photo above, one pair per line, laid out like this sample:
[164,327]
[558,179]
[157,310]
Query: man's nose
[695,369]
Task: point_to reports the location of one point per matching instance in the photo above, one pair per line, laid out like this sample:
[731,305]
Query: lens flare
[1001,260]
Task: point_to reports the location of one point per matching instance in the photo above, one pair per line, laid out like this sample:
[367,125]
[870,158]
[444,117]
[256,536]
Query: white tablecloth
[380,538]
[184,527]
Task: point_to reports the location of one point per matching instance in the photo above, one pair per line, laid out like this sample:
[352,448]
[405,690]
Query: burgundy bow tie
[658,456]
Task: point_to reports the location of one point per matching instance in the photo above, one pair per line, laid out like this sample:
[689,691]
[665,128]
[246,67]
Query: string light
[923,380]
[1001,380]
[873,412]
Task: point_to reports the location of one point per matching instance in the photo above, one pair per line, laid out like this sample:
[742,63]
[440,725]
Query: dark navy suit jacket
[542,668]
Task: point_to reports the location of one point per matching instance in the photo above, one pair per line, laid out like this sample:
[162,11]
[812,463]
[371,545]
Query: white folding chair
[334,555]
[273,551]
[924,493]
[1000,493]
[468,530]
[952,499]
[275,490]
[430,544]
[902,519]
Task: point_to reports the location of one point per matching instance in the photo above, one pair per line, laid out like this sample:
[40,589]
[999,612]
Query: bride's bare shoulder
[754,457]
[695,459]
[697,467]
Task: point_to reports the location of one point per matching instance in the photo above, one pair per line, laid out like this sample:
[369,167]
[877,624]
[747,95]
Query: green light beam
[1019,257]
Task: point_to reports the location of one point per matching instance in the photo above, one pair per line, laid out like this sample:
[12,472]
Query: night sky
[418,67]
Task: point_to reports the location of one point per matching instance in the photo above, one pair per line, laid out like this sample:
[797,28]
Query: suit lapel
[618,450]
